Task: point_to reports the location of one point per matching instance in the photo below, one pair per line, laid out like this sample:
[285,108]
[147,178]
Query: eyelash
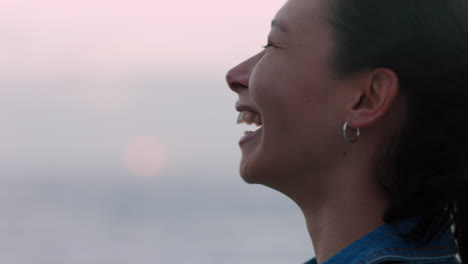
[269,44]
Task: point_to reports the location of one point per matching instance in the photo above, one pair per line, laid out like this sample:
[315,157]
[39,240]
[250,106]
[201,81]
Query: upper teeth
[249,118]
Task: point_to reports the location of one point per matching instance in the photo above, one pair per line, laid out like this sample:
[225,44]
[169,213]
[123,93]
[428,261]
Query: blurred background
[119,142]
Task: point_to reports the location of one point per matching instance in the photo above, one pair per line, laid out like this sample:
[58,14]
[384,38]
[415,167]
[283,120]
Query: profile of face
[302,106]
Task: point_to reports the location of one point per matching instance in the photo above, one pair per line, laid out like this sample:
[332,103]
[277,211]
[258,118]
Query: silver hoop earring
[345,135]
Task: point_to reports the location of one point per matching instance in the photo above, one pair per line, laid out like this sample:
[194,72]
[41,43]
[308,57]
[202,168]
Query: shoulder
[445,261]
[385,246]
[448,261]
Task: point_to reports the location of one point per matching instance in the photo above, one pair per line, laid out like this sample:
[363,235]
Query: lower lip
[248,137]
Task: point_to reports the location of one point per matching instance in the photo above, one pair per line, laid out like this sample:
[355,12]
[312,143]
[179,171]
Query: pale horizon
[119,142]
[75,71]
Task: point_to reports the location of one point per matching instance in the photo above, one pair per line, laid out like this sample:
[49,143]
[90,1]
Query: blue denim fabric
[384,245]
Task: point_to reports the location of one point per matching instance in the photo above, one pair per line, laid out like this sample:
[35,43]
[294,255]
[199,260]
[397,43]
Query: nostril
[236,86]
[234,81]
[238,77]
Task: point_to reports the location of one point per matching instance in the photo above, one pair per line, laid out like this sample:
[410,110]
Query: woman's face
[301,105]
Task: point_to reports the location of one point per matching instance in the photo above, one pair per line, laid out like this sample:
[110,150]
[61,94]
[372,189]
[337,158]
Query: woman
[364,113]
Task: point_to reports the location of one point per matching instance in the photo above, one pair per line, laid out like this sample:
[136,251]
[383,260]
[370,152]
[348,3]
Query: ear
[376,94]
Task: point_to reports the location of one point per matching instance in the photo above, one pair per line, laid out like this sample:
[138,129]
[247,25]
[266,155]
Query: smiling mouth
[249,118]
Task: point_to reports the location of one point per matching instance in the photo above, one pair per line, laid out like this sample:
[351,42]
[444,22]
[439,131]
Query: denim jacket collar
[384,244]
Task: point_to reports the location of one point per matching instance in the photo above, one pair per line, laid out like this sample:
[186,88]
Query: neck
[353,207]
[341,222]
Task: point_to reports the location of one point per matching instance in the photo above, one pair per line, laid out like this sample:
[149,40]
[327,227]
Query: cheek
[293,98]
[261,75]
[270,82]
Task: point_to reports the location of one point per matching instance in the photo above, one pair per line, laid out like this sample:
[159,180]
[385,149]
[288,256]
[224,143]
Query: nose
[238,77]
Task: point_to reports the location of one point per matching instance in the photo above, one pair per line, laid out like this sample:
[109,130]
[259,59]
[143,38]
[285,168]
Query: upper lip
[244,107]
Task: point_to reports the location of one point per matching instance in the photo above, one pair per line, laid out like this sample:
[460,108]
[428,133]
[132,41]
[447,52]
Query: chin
[258,172]
[265,166]
[247,173]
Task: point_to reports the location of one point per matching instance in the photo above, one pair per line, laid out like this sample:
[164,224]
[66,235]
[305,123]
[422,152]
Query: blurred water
[145,221]
[67,197]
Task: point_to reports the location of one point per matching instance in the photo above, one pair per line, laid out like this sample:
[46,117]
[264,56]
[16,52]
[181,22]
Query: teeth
[258,120]
[241,117]
[249,118]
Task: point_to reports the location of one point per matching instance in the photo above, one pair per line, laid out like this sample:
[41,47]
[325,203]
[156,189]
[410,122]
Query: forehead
[302,16]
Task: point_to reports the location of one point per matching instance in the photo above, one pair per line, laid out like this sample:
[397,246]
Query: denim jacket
[383,245]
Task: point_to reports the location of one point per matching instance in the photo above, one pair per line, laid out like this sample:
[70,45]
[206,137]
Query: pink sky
[50,36]
[183,45]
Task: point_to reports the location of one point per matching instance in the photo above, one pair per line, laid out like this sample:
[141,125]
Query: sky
[98,89]
[118,135]
[172,37]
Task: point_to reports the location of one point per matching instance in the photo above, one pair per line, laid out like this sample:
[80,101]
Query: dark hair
[425,42]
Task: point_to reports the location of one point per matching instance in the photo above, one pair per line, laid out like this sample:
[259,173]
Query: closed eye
[269,44]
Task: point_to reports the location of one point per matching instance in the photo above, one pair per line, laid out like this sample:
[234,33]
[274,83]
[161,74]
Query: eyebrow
[279,25]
